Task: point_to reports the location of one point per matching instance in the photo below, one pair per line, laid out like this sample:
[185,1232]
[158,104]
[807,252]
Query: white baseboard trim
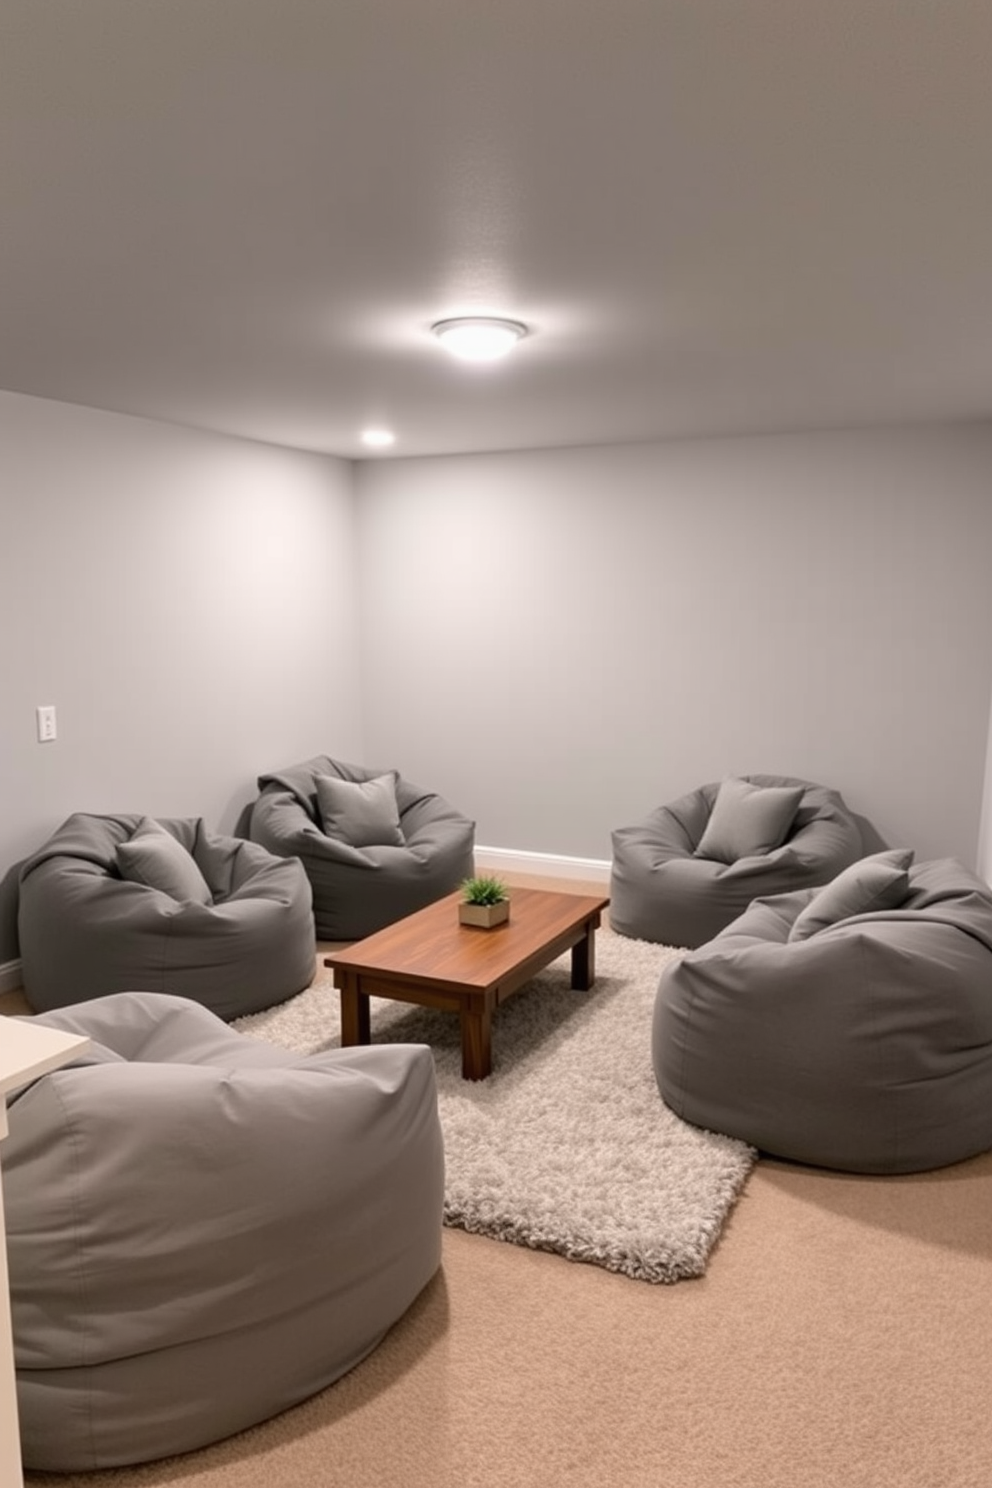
[10,975]
[592,870]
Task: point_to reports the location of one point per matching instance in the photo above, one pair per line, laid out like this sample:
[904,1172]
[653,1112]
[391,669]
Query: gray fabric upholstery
[747,819]
[877,882]
[364,813]
[359,890]
[152,856]
[85,932]
[866,1047]
[204,1230]
[660,890]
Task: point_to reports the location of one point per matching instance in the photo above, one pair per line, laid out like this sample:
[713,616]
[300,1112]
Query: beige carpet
[841,1338]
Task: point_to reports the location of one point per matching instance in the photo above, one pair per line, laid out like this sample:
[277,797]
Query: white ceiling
[717,216]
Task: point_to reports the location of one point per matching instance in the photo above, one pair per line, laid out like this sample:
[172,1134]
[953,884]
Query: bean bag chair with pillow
[128,903]
[204,1229]
[375,847]
[848,1027]
[693,866]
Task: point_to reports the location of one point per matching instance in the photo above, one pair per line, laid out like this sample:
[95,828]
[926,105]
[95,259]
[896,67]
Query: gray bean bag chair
[375,848]
[693,866]
[204,1229]
[849,1028]
[229,924]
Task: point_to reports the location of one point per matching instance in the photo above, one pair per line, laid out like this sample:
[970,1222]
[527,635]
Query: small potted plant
[485,902]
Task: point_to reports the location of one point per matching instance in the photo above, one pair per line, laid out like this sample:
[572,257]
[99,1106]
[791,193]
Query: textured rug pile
[567,1146]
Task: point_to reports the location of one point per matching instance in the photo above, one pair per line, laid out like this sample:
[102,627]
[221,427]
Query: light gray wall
[560,641]
[985,828]
[186,601]
[556,640]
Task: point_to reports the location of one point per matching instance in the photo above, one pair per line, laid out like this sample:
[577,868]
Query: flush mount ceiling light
[478,338]
[378,438]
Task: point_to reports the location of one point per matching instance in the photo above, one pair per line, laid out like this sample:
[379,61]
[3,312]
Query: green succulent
[484,889]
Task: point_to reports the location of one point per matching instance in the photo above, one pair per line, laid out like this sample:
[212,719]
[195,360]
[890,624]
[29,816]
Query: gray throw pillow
[153,857]
[363,813]
[748,819]
[878,882]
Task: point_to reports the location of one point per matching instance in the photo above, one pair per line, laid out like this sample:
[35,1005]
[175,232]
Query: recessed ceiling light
[378,438]
[478,338]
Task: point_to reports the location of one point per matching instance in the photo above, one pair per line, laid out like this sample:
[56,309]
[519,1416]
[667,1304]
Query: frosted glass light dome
[478,338]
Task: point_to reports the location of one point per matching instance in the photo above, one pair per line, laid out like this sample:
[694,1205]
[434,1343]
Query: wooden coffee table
[432,960]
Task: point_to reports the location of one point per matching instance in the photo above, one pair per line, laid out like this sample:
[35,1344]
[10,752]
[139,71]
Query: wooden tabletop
[433,947]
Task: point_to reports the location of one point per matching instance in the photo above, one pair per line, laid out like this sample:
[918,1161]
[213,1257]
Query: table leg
[11,1475]
[356,1025]
[584,960]
[477,1046]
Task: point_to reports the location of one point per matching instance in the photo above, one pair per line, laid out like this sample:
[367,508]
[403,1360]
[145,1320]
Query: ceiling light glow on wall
[478,338]
[378,438]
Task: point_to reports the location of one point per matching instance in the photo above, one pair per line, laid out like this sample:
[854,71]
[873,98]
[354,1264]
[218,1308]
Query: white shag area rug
[567,1146]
